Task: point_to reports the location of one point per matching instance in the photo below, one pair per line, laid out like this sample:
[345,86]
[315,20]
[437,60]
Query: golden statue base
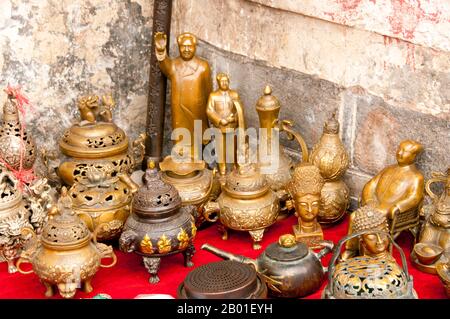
[313,240]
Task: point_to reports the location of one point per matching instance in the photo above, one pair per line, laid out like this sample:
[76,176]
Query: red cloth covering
[129,278]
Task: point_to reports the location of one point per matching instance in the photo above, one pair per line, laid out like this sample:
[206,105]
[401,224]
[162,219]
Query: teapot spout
[229,256]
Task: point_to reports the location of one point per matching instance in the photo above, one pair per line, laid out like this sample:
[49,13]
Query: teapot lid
[65,228]
[246,180]
[268,102]
[286,249]
[156,197]
[10,195]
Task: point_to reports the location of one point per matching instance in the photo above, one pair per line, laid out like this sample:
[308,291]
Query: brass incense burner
[17,148]
[103,198]
[278,171]
[96,138]
[66,255]
[330,156]
[246,202]
[443,271]
[223,280]
[367,277]
[18,211]
[158,225]
[290,270]
[434,239]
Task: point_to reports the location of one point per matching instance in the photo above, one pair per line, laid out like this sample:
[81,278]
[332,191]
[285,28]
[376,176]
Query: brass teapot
[290,269]
[368,277]
[13,137]
[66,255]
[18,211]
[268,109]
[96,138]
[103,198]
[433,246]
[158,225]
[330,156]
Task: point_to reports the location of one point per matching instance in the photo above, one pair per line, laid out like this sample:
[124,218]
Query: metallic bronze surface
[223,280]
[268,109]
[433,246]
[66,255]
[103,198]
[443,271]
[97,139]
[289,269]
[396,192]
[368,277]
[305,189]
[330,156]
[222,114]
[17,212]
[15,148]
[162,12]
[246,203]
[191,83]
[158,225]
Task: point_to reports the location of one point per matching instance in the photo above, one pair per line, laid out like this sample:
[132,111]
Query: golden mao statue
[304,189]
[372,244]
[396,190]
[190,77]
[222,114]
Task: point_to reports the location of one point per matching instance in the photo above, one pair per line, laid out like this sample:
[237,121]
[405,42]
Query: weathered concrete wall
[383,64]
[59,50]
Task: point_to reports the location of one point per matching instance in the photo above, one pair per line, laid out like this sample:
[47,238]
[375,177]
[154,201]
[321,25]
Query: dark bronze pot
[158,226]
[223,280]
[290,269]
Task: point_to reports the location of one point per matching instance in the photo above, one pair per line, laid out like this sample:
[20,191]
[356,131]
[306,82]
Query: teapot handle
[286,126]
[328,247]
[337,251]
[436,179]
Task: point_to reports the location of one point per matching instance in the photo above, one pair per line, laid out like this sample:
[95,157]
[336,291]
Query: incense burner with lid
[96,138]
[158,225]
[66,255]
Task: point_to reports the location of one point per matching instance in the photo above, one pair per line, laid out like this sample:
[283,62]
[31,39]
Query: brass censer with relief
[290,269]
[158,225]
[330,156]
[66,255]
[279,172]
[367,277]
[17,148]
[17,212]
[433,246]
[246,203]
[103,198]
[96,138]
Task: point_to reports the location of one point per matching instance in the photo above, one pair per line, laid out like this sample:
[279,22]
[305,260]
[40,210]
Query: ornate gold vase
[158,225]
[103,198]
[17,212]
[268,109]
[11,141]
[97,139]
[66,255]
[330,156]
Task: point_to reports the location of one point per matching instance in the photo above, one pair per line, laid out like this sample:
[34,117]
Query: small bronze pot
[290,269]
[158,225]
[223,280]
[66,255]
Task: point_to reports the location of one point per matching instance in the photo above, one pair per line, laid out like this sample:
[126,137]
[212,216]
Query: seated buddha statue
[396,189]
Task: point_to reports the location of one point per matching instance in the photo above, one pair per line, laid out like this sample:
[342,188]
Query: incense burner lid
[94,140]
[246,181]
[10,195]
[268,102]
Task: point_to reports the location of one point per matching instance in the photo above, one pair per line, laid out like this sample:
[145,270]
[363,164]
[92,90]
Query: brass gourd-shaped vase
[330,156]
[17,148]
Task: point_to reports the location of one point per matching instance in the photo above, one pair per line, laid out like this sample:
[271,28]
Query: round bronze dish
[223,280]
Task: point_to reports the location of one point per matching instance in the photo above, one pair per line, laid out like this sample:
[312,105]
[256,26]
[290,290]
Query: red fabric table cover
[129,277]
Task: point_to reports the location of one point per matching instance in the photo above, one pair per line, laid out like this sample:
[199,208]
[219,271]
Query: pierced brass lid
[156,198]
[246,181]
[10,196]
[65,228]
